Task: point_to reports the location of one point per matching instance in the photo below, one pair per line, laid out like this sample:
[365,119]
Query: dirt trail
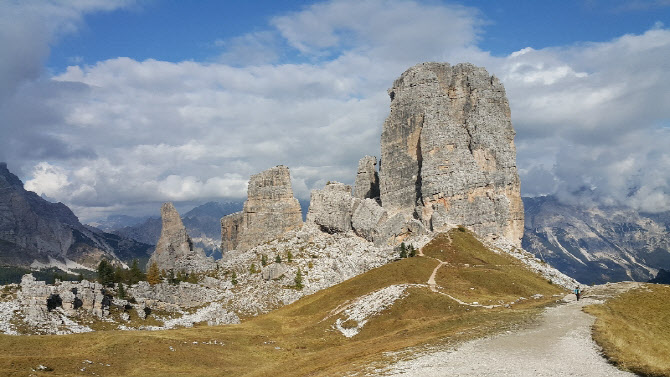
[559,345]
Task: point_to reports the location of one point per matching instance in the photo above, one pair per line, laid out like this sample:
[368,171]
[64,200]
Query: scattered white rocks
[213,314]
[361,310]
[7,312]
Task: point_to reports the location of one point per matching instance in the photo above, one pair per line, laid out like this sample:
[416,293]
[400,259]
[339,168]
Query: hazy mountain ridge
[598,244]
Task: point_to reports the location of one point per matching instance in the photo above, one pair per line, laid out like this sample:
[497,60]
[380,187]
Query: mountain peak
[7,178]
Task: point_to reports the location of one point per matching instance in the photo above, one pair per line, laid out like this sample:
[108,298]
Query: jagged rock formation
[37,233]
[331,208]
[367,179]
[448,154]
[203,224]
[270,211]
[597,244]
[175,250]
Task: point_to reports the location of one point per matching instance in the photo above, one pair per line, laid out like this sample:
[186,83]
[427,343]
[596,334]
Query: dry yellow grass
[296,340]
[634,329]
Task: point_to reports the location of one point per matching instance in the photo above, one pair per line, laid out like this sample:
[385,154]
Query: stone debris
[355,315]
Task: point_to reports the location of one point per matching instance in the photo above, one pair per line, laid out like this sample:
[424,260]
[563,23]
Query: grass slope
[299,339]
[634,329]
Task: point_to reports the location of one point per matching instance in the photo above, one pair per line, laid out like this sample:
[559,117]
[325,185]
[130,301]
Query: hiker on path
[577,292]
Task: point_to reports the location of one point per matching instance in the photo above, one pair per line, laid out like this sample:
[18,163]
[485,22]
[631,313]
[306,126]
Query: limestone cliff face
[174,250]
[448,154]
[270,211]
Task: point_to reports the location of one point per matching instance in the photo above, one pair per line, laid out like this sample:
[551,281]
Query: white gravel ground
[560,345]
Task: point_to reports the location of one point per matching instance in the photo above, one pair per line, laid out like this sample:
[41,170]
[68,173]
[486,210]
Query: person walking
[577,292]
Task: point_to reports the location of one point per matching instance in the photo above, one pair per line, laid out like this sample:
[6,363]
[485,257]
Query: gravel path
[560,345]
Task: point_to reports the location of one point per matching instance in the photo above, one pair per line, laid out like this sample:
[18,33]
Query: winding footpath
[559,345]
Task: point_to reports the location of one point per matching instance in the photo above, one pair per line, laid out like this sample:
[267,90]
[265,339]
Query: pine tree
[252,269]
[412,251]
[298,280]
[278,259]
[121,293]
[233,279]
[105,273]
[264,260]
[403,250]
[153,275]
[289,256]
[135,274]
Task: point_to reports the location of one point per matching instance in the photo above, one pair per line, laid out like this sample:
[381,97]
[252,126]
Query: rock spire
[269,211]
[448,151]
[174,250]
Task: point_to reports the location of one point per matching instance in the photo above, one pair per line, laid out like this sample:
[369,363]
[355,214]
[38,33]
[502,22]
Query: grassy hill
[301,339]
[634,329]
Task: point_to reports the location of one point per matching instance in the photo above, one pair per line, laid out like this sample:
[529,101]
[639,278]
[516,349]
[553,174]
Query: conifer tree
[121,293]
[233,279]
[298,279]
[264,260]
[403,250]
[278,259]
[289,256]
[153,275]
[412,251]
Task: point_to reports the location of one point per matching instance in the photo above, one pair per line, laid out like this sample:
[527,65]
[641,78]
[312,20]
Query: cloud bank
[309,92]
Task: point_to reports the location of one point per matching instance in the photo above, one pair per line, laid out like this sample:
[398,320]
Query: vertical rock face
[448,151]
[270,211]
[366,185]
[174,250]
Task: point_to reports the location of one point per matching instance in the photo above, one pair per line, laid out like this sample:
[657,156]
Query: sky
[115,106]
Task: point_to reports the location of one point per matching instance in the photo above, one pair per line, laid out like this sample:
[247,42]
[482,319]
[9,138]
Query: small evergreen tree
[403,250]
[278,259]
[412,251]
[298,279]
[121,292]
[135,274]
[153,275]
[289,256]
[105,273]
[233,278]
[252,269]
[264,260]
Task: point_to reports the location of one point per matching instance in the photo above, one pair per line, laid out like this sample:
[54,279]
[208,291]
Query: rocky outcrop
[45,307]
[330,209]
[37,233]
[269,211]
[175,250]
[366,185]
[448,151]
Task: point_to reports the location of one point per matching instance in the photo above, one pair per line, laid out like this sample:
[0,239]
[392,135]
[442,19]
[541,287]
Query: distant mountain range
[598,244]
[37,233]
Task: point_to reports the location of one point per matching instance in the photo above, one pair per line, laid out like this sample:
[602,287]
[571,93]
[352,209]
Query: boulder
[367,218]
[330,209]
